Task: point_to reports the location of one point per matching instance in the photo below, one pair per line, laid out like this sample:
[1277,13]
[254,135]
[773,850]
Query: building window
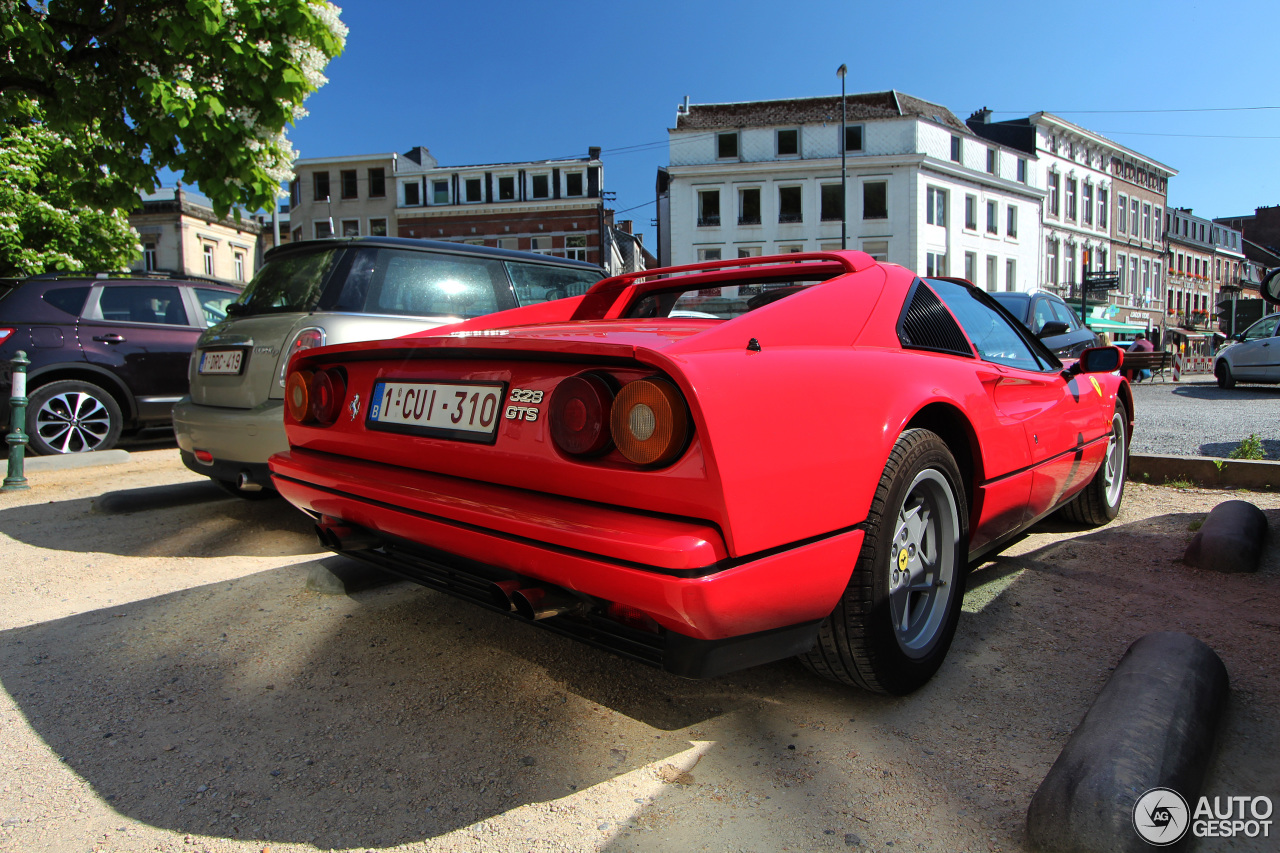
[1010,275]
[1157,219]
[1102,208]
[936,206]
[709,254]
[789,205]
[378,183]
[853,137]
[208,259]
[727,146]
[749,206]
[877,249]
[971,212]
[992,159]
[239,264]
[1069,257]
[1011,225]
[323,229]
[832,202]
[541,186]
[507,188]
[377,227]
[349,188]
[541,245]
[149,257]
[1120,271]
[439,192]
[1051,262]
[351,228]
[573,183]
[991,284]
[575,247]
[509,243]
[708,208]
[1053,192]
[320,186]
[1133,272]
[788,143]
[474,188]
[935,264]
[295,194]
[971,266]
[993,217]
[1133,217]
[750,251]
[411,198]
[955,149]
[875,200]
[1022,170]
[1122,213]
[1072,187]
[790,250]
[1146,221]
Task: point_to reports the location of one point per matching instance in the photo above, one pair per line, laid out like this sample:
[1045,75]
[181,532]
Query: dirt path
[171,685]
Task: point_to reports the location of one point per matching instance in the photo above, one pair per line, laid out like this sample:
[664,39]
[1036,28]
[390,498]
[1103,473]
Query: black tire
[1099,502]
[1223,372]
[232,489]
[70,416]
[890,632]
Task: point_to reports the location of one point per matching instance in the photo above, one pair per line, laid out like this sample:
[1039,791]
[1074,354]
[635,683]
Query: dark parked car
[108,353]
[1051,320]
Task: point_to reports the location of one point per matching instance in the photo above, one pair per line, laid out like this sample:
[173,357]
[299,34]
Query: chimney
[625,225]
[593,153]
[683,108]
[982,116]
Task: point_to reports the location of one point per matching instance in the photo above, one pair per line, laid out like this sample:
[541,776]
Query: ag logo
[1160,817]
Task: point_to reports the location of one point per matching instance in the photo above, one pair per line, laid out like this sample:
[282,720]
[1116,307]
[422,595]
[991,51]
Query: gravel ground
[1197,418]
[169,684]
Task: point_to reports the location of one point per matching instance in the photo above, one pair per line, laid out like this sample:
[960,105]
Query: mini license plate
[441,409]
[221,361]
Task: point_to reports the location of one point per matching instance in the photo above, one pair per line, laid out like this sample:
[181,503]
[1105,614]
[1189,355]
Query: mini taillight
[328,393]
[649,422]
[305,339]
[297,395]
[579,415]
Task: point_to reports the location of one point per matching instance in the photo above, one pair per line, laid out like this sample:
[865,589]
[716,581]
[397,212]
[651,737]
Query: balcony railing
[712,221]
[749,219]
[790,217]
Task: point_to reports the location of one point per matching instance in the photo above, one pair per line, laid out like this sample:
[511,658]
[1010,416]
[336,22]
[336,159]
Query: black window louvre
[927,324]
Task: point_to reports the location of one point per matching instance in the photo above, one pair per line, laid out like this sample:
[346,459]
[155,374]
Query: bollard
[17,438]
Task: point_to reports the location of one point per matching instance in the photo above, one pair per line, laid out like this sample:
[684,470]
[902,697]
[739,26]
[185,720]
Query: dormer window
[727,146]
[788,142]
[540,186]
[853,137]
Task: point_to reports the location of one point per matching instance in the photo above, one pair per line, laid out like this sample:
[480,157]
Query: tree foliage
[202,87]
[55,204]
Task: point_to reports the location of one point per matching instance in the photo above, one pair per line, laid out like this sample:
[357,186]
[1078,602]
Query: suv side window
[214,304]
[68,299]
[1064,314]
[1043,314]
[143,304]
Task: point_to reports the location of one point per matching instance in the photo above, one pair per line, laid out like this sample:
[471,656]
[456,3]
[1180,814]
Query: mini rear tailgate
[260,339]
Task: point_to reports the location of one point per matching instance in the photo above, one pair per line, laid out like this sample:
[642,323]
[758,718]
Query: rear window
[67,299]
[543,283]
[722,303]
[398,282]
[289,283]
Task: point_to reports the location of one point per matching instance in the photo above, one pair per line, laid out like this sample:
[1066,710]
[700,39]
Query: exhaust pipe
[501,592]
[540,602]
[336,535]
[245,484]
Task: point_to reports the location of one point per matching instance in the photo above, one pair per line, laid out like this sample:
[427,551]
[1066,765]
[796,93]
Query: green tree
[55,211]
[205,88]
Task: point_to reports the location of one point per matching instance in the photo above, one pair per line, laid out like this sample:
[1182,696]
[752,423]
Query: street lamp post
[844,192]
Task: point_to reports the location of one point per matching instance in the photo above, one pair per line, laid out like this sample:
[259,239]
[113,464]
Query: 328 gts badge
[523,413]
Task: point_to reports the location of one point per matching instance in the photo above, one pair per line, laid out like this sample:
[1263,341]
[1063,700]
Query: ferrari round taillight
[328,392]
[649,422]
[579,415]
[297,395]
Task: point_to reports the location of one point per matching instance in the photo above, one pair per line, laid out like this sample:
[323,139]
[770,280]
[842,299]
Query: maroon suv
[108,353]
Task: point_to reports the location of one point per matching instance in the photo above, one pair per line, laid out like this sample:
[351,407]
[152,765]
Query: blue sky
[506,81]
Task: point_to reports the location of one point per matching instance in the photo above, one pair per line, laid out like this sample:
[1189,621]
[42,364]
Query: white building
[923,190]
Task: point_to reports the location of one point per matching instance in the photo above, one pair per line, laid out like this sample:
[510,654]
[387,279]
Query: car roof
[432,246]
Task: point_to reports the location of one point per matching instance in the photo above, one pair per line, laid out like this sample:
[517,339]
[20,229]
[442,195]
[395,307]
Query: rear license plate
[225,361]
[440,409]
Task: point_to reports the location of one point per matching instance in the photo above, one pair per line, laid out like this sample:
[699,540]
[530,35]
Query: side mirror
[1051,328]
[236,309]
[1270,286]
[1099,360]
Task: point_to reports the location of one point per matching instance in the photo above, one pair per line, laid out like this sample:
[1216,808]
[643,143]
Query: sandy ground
[169,684]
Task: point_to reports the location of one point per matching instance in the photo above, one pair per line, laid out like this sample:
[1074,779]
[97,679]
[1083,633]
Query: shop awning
[1100,324]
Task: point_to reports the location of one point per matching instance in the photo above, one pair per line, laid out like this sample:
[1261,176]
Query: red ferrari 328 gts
[713,466]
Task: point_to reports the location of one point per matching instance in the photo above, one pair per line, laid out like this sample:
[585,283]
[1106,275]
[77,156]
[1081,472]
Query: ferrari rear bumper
[715,611]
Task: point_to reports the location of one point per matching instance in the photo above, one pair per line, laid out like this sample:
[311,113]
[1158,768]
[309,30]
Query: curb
[75,460]
[1205,471]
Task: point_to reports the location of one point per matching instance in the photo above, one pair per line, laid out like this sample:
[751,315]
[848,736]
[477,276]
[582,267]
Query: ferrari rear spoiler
[602,296]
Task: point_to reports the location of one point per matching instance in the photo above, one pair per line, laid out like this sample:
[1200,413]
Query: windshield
[289,283]
[543,283]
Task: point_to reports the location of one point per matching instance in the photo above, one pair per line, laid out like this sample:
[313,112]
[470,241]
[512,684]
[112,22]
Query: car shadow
[1213,392]
[160,525]
[1270,447]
